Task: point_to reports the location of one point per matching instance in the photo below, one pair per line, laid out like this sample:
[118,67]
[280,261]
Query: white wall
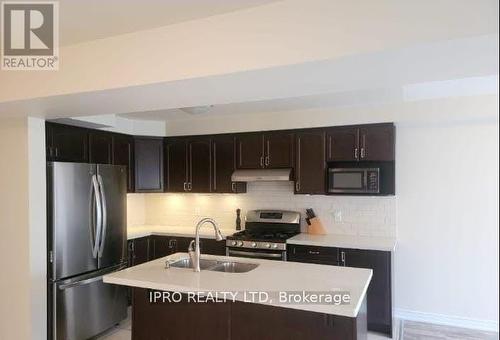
[446,263]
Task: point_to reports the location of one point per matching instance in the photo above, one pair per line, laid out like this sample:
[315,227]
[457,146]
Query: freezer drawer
[86,306]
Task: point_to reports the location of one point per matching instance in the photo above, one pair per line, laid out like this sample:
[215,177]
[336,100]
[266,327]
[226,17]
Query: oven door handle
[254,254]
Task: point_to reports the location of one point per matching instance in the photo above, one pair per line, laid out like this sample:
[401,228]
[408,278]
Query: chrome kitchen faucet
[194,246]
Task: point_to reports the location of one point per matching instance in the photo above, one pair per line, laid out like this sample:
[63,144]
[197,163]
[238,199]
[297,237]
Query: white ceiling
[419,91]
[458,67]
[327,100]
[96,19]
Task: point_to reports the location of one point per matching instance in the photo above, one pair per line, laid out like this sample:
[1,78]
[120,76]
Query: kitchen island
[274,300]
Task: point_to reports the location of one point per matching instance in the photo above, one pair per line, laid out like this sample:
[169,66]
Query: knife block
[316,227]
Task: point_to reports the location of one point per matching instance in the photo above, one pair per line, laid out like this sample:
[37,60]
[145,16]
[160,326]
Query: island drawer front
[237,321]
[313,254]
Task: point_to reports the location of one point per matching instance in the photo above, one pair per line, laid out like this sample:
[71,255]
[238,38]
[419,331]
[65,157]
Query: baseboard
[447,320]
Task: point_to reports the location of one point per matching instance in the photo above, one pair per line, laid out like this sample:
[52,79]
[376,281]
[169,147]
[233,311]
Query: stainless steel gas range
[265,234]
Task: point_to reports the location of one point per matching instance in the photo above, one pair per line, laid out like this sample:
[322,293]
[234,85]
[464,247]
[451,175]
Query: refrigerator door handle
[104,222]
[99,216]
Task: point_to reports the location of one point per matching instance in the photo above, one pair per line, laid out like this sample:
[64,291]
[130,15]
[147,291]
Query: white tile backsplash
[367,216]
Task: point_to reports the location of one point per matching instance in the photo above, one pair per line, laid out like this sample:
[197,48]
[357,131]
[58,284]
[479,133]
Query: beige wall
[15,318]
[37,227]
[23,229]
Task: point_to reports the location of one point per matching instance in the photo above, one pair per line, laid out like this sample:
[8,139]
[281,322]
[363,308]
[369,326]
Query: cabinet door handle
[233,186]
[342,257]
[185,186]
[297,172]
[297,186]
[329,147]
[268,152]
[190,163]
[355,153]
[57,151]
[363,147]
[313,252]
[172,244]
[190,186]
[261,161]
[215,166]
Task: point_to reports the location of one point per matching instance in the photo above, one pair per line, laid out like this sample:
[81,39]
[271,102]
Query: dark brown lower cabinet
[139,251]
[237,321]
[163,246]
[149,248]
[212,247]
[313,254]
[379,300]
[379,295]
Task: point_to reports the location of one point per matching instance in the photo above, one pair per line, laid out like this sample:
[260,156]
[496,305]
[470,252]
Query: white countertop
[269,276]
[345,241]
[161,230]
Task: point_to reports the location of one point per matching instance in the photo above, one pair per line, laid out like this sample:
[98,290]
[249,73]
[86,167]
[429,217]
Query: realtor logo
[30,36]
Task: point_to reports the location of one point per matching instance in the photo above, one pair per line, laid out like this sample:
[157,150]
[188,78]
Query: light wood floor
[424,331]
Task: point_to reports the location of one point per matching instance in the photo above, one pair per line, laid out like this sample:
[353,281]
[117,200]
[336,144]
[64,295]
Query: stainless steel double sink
[215,265]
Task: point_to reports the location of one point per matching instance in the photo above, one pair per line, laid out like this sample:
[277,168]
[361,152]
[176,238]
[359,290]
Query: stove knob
[267,245]
[240,243]
[275,246]
[234,243]
[254,244]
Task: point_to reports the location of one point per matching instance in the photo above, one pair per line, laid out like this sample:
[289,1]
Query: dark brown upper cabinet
[188,164]
[224,164]
[377,143]
[343,144]
[148,164]
[250,150]
[199,165]
[361,143]
[100,147]
[273,149]
[310,162]
[176,165]
[66,143]
[123,154]
[278,149]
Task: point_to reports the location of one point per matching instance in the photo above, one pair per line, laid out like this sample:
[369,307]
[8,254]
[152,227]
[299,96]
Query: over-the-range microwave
[354,180]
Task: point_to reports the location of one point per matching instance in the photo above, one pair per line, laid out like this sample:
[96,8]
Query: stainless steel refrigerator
[87,238]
